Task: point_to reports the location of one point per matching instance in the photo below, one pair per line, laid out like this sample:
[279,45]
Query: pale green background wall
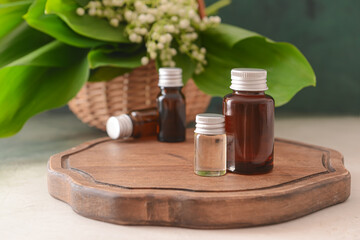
[328,34]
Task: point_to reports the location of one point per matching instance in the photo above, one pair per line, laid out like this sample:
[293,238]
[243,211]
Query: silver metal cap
[248,79]
[210,123]
[170,77]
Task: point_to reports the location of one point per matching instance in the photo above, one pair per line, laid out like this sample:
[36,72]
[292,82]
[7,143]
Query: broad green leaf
[107,73]
[86,25]
[52,25]
[12,1]
[82,3]
[215,7]
[28,90]
[19,42]
[115,58]
[127,48]
[186,64]
[44,56]
[230,47]
[11,15]
[226,35]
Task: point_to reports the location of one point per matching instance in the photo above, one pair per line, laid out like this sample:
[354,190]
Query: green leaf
[28,90]
[215,7]
[52,25]
[106,56]
[19,42]
[226,35]
[231,47]
[11,15]
[12,1]
[44,56]
[187,65]
[92,27]
[82,3]
[107,73]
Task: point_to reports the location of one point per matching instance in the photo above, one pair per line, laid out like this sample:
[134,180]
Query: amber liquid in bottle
[144,122]
[249,125]
[172,116]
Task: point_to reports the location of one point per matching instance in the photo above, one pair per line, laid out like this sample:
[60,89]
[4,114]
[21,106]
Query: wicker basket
[97,101]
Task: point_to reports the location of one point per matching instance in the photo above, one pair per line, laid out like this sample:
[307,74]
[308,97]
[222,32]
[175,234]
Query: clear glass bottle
[210,145]
[171,106]
[249,123]
[137,123]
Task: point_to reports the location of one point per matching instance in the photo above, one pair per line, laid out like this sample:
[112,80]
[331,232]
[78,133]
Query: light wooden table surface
[28,212]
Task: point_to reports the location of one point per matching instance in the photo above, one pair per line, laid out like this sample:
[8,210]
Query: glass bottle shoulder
[199,136]
[233,98]
[171,94]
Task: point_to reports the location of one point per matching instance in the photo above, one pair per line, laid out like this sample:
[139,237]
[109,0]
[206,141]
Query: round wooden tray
[145,182]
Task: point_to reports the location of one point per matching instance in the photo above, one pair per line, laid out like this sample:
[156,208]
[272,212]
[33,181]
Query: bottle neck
[166,90]
[249,92]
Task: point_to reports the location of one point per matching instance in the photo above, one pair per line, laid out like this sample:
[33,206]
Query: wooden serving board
[145,182]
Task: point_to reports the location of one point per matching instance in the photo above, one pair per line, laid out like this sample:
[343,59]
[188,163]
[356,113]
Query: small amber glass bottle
[137,123]
[171,106]
[210,145]
[249,123]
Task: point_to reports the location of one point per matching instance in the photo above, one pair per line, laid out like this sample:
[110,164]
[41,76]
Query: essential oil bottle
[210,145]
[171,106]
[249,123]
[137,123]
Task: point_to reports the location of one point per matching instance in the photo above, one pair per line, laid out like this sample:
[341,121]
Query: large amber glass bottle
[171,106]
[249,123]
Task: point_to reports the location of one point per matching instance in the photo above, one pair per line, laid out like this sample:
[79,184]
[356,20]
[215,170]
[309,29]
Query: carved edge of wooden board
[191,209]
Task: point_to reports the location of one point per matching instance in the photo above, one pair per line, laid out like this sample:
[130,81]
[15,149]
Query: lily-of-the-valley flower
[167,27]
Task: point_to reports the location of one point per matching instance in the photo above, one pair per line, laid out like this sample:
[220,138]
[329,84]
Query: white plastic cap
[119,126]
[170,77]
[210,123]
[248,79]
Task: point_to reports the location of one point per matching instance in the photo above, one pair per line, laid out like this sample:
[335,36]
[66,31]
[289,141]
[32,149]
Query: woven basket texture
[97,101]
